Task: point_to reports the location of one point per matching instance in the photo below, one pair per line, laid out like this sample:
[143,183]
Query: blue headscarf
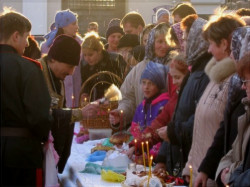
[150,49]
[157,73]
[62,19]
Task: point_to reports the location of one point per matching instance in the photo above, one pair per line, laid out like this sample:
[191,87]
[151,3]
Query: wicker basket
[101,121]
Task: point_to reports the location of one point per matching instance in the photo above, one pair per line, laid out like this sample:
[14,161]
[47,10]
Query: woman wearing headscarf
[237,153]
[211,106]
[227,132]
[175,37]
[66,23]
[240,152]
[179,130]
[157,50]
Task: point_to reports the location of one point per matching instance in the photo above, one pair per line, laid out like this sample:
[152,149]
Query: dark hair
[11,22]
[183,10]
[32,51]
[243,66]
[187,22]
[134,18]
[221,27]
[59,32]
[243,12]
[146,30]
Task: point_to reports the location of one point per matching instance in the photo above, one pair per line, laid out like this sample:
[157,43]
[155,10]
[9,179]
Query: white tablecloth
[79,153]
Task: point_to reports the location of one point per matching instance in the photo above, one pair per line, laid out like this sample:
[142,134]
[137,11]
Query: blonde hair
[92,41]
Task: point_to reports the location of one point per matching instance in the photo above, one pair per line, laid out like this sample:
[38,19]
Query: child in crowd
[153,83]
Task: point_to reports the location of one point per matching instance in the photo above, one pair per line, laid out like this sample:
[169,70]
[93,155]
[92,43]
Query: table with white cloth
[77,161]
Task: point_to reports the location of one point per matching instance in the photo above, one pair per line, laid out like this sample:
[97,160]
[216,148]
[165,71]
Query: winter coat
[166,114]
[25,104]
[145,113]
[236,155]
[209,111]
[111,62]
[180,129]
[227,132]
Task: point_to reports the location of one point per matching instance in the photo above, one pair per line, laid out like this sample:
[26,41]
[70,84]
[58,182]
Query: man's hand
[114,117]
[162,132]
[90,110]
[223,176]
[201,180]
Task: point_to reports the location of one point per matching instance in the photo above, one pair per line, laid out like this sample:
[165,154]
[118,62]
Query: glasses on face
[244,82]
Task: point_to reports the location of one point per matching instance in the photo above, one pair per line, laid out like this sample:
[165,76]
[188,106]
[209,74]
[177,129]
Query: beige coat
[209,111]
[236,155]
[132,94]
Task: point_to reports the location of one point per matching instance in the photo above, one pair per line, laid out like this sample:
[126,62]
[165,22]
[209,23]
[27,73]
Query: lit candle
[135,148]
[150,165]
[121,120]
[73,101]
[143,156]
[147,151]
[191,175]
[85,99]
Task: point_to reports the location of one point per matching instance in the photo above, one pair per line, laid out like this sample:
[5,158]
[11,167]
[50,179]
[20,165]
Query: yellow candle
[149,172]
[143,156]
[85,99]
[147,151]
[191,175]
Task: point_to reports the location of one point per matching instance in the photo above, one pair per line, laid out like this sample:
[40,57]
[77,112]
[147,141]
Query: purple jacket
[148,110]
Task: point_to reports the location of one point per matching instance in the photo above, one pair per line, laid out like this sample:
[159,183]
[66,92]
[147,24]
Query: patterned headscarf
[150,49]
[196,45]
[179,33]
[240,42]
[62,19]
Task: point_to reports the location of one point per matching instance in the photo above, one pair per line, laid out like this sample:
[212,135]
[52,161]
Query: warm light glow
[135,141]
[72,97]
[108,109]
[121,111]
[85,99]
[190,167]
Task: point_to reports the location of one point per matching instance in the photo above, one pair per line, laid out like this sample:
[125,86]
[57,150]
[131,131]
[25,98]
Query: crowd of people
[185,88]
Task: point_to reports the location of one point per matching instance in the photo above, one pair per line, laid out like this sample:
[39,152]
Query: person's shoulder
[31,62]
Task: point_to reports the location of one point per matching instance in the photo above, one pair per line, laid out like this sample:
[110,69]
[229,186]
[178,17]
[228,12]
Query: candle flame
[190,166]
[85,99]
[72,97]
[142,143]
[135,141]
[121,111]
[146,142]
[151,157]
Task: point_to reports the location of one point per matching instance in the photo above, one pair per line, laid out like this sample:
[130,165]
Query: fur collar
[219,71]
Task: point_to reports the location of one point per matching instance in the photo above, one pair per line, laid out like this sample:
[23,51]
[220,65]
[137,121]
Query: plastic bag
[96,156]
[112,176]
[51,159]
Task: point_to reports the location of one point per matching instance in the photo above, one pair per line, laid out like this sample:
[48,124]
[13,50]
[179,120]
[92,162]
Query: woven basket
[101,121]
